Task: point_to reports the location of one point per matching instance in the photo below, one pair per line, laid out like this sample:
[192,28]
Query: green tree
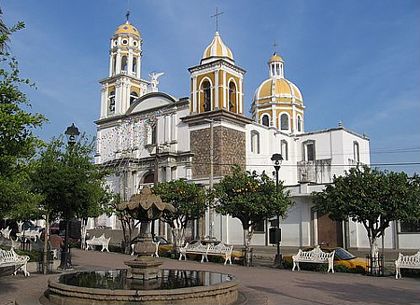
[18,144]
[251,198]
[371,197]
[190,202]
[69,184]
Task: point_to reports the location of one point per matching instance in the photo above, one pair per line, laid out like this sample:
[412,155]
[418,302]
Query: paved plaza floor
[259,285]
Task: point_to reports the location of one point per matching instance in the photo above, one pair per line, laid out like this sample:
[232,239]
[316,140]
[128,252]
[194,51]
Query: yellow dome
[277,88]
[217,48]
[127,28]
[276,57]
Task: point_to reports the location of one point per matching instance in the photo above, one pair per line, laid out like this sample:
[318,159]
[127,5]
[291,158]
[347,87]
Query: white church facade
[150,136]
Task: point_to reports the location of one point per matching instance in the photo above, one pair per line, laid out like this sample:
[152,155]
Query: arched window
[232,97]
[134,68]
[284,150]
[124,63]
[255,142]
[299,123]
[111,102]
[356,152]
[149,178]
[153,134]
[265,120]
[206,88]
[284,122]
[133,97]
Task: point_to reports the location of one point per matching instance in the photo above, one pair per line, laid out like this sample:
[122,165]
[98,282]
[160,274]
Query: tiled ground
[260,285]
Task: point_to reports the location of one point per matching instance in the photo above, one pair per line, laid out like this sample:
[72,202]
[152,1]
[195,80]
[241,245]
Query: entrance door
[330,232]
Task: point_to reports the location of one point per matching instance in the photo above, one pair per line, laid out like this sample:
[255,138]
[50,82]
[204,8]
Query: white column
[118,98]
[241,95]
[273,116]
[118,65]
[110,64]
[224,90]
[173,127]
[130,63]
[104,101]
[194,94]
[168,173]
[166,123]
[216,90]
[294,119]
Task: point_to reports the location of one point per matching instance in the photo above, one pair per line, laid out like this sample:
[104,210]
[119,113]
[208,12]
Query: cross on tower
[275,45]
[127,16]
[216,15]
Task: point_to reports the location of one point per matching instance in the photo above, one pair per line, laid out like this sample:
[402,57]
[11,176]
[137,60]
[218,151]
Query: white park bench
[29,234]
[6,232]
[219,249]
[11,259]
[408,262]
[98,241]
[315,255]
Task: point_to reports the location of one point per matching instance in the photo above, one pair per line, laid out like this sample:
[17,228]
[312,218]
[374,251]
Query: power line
[299,165]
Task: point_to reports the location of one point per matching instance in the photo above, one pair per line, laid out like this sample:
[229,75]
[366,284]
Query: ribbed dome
[277,88]
[217,48]
[127,28]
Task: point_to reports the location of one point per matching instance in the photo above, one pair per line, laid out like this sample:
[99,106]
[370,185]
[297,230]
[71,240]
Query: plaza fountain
[143,282]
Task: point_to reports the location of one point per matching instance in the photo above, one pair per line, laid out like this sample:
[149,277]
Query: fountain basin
[170,287]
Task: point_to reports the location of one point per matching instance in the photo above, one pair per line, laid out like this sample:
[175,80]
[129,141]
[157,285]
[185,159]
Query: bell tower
[123,84]
[217,83]
[216,113]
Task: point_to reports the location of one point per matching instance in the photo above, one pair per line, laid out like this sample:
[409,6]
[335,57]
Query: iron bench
[9,258]
[219,249]
[408,262]
[315,255]
[6,232]
[98,241]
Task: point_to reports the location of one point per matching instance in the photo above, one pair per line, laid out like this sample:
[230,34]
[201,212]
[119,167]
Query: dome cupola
[277,101]
[217,49]
[276,65]
[127,28]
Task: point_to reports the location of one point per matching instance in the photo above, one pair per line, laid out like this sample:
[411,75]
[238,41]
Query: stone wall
[229,149]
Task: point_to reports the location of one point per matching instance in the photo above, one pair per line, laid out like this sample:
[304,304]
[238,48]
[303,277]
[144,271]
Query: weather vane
[216,15]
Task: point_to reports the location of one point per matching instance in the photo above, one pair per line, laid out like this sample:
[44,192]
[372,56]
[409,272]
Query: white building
[150,135]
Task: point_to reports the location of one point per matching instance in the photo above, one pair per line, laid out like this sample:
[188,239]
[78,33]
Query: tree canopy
[189,199]
[371,197]
[251,198]
[71,185]
[18,143]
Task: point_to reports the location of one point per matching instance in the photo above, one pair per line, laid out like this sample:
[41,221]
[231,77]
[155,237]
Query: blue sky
[355,61]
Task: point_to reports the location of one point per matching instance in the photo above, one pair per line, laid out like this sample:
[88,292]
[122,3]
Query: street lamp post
[277,159]
[72,132]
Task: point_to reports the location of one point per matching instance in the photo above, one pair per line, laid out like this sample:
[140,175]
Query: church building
[150,136]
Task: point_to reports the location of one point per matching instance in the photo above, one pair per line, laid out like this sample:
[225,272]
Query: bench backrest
[8,256]
[220,248]
[410,260]
[315,254]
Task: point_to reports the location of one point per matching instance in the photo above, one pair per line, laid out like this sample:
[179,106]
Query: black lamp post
[72,132]
[277,159]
